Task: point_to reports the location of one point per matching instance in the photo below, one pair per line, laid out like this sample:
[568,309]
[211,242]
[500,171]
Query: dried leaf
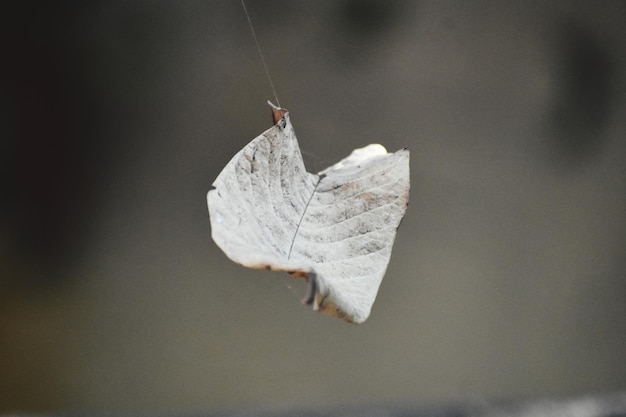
[336,228]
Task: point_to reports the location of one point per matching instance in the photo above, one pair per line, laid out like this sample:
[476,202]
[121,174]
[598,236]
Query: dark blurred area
[507,278]
[48,166]
[583,105]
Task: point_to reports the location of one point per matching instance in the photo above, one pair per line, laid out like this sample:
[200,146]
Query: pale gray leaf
[336,228]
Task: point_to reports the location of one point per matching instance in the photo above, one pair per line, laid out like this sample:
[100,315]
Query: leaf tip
[277,112]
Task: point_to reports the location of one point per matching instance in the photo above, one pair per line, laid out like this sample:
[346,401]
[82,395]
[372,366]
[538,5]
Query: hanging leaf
[335,229]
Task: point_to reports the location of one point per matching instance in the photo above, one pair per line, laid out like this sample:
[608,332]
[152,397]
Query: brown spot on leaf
[277,113]
[298,274]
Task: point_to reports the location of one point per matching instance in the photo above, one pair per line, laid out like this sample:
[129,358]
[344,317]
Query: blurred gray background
[507,278]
